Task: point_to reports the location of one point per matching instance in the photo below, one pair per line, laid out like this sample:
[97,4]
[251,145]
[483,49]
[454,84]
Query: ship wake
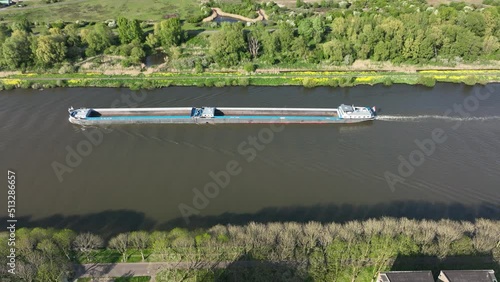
[418,118]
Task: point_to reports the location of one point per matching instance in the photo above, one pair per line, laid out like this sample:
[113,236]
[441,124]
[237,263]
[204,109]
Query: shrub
[387,81]
[66,68]
[250,67]
[198,67]
[195,18]
[25,84]
[209,83]
[135,86]
[243,81]
[36,85]
[470,80]
[126,63]
[220,83]
[59,24]
[61,83]
[426,81]
[309,82]
[8,86]
[346,81]
[146,84]
[333,82]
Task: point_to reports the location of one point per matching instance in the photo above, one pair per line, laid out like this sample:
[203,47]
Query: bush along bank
[220,79]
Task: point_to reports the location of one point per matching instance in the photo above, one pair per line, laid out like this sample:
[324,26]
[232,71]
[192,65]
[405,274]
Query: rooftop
[467,276]
[406,276]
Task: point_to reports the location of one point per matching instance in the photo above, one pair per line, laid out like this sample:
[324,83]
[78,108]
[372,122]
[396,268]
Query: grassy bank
[98,10]
[221,79]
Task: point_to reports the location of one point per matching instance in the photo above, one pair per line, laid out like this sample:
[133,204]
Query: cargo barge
[215,115]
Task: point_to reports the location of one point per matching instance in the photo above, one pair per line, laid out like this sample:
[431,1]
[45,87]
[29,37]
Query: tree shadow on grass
[249,268]
[435,264]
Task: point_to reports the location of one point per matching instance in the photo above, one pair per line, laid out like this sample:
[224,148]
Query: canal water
[433,153]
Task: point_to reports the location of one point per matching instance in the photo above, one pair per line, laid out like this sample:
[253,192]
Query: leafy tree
[16,50]
[300,48]
[129,30]
[474,22]
[334,51]
[4,33]
[22,25]
[72,35]
[137,54]
[305,30]
[284,36]
[49,249]
[228,46]
[64,240]
[169,33]
[51,49]
[98,39]
[338,27]
[381,51]
[490,44]
[262,43]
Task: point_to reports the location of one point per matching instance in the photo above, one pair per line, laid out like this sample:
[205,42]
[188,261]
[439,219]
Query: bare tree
[448,232]
[34,258]
[139,240]
[87,242]
[308,240]
[25,271]
[486,235]
[120,243]
[253,45]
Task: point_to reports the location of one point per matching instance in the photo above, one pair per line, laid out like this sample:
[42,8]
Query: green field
[99,10]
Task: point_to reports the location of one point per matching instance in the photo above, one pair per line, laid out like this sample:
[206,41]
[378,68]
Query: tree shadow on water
[343,213]
[109,223]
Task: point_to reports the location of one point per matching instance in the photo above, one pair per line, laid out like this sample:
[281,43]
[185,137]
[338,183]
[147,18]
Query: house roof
[407,276]
[470,275]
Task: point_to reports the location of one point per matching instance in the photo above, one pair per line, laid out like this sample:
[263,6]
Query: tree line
[61,44]
[336,34]
[356,250]
[441,35]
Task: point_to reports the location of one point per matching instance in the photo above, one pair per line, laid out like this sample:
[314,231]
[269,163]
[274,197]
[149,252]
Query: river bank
[235,78]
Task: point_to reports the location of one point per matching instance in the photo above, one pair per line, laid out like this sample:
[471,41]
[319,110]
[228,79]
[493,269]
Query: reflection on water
[221,19]
[155,59]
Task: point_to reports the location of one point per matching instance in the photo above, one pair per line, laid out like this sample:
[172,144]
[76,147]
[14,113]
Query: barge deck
[213,115]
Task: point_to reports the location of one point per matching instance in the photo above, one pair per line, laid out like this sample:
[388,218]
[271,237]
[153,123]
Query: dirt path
[218,12]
